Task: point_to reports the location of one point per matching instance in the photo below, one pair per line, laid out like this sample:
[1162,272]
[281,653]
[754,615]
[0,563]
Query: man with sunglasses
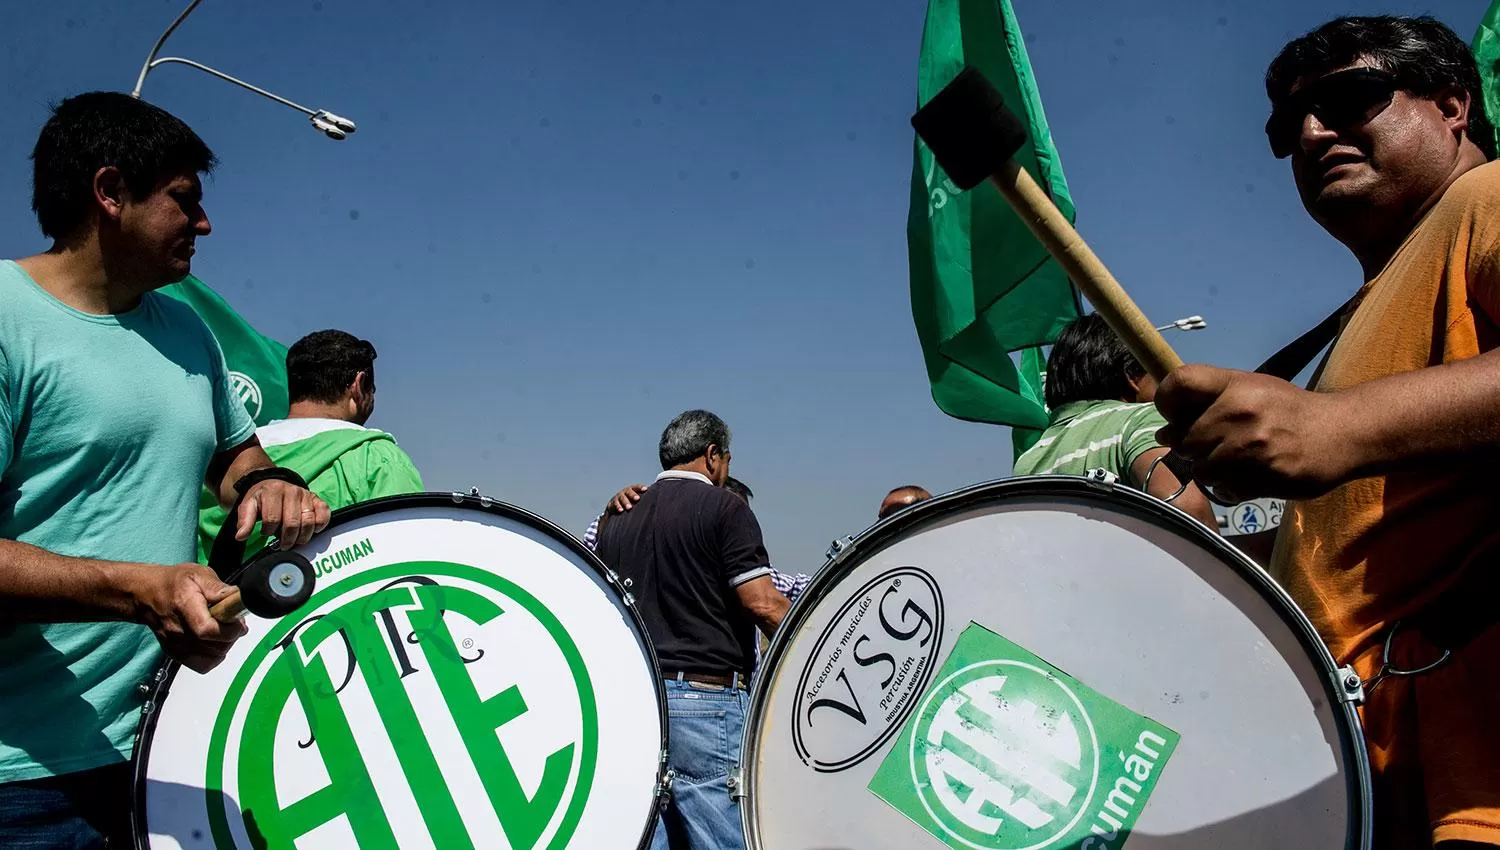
[1390,539]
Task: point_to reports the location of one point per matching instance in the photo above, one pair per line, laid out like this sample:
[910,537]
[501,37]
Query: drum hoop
[161,682]
[1126,499]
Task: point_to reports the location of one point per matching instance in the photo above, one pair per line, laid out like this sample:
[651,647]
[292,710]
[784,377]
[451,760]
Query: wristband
[269,473]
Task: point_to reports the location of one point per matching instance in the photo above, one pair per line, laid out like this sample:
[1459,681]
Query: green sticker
[1006,752]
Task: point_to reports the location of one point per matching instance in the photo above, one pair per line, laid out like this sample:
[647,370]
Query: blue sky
[562,223]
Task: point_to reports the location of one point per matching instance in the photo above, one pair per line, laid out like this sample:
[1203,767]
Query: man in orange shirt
[1390,461]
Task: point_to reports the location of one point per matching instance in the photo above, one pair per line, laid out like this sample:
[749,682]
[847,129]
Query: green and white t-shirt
[1088,435]
[107,426]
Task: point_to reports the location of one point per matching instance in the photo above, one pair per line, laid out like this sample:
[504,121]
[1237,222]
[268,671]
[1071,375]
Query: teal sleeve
[1140,433]
[232,421]
[7,422]
[390,471]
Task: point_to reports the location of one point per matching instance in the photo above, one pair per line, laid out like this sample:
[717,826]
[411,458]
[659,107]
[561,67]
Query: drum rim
[934,510]
[161,682]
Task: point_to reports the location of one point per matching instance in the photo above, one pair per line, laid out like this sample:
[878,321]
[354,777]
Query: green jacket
[342,463]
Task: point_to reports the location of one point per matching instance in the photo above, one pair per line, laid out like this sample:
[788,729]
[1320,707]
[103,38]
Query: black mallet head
[276,583]
[969,130]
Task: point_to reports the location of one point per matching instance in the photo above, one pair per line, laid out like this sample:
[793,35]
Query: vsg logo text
[867,669]
[389,716]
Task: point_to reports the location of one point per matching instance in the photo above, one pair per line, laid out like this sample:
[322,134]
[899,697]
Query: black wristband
[269,473]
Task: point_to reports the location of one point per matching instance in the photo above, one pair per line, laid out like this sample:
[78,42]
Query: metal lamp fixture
[335,127]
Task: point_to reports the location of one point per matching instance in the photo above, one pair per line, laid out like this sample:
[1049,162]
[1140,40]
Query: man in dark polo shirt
[693,554]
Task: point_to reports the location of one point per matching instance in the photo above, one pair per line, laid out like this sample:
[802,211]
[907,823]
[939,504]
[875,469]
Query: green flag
[981,285]
[257,364]
[1487,51]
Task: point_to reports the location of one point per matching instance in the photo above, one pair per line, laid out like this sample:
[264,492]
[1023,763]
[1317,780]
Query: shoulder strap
[1295,355]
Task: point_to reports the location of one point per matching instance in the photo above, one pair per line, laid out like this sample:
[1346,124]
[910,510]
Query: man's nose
[1315,134]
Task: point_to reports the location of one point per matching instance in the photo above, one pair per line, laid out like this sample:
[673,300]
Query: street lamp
[1191,323]
[334,126]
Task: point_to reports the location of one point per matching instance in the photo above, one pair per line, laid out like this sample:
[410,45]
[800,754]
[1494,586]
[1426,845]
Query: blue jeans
[706,722]
[88,810]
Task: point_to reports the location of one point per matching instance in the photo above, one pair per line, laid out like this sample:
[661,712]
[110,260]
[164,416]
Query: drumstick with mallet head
[271,585]
[974,137]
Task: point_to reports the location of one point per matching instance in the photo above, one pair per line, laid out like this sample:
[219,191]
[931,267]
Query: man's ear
[1454,104]
[110,193]
[362,387]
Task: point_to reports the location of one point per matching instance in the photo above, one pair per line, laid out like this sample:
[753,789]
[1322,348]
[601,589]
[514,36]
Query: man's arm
[37,586]
[1164,485]
[1255,435]
[291,513]
[763,602]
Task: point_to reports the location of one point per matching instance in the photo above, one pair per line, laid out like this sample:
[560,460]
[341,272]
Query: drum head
[1049,663]
[465,675]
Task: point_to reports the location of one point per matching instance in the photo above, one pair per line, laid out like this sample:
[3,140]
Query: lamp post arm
[151,59]
[225,77]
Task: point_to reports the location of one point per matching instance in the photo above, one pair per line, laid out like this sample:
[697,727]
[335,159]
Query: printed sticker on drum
[389,698]
[1006,752]
[865,672]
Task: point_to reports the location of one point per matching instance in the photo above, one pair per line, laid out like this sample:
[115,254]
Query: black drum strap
[227,555]
[1293,357]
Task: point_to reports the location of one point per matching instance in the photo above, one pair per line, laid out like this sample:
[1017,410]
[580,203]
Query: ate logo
[1006,756]
[1006,752]
[248,392]
[380,720]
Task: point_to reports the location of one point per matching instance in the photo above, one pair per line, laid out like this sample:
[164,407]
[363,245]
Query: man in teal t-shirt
[1102,417]
[331,382]
[115,410]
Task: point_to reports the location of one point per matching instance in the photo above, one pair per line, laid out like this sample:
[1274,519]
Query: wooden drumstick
[974,137]
[229,609]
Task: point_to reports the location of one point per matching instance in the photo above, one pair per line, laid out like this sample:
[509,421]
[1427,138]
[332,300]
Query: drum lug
[1349,686]
[1101,478]
[736,784]
[664,785]
[838,546]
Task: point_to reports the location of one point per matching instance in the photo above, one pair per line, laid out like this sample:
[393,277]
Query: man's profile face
[1382,155]
[160,230]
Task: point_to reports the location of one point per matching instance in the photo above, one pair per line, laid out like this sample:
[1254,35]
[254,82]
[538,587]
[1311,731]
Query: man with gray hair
[694,559]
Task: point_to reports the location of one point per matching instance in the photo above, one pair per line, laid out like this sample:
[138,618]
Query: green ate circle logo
[1004,756]
[366,709]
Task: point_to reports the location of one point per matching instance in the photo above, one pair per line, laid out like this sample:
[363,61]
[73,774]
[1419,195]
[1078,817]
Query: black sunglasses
[1340,100]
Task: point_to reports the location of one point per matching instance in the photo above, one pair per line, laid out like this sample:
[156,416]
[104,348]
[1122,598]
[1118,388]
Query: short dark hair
[322,365]
[90,131]
[1422,53]
[690,435]
[1089,362]
[739,488]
